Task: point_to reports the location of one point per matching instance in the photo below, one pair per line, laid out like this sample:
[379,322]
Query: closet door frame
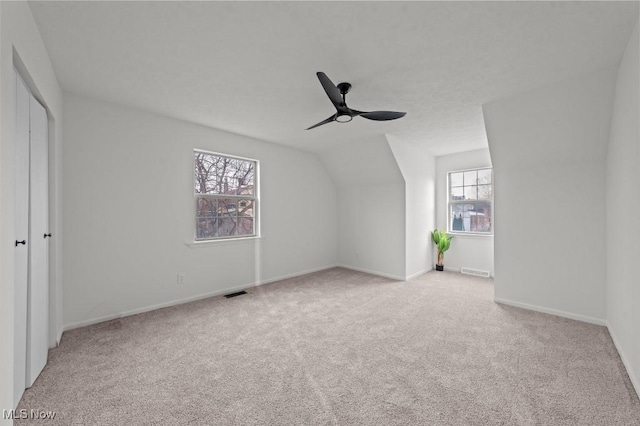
[31,222]
[21,227]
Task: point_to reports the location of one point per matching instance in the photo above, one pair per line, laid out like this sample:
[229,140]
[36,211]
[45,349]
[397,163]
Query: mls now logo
[28,414]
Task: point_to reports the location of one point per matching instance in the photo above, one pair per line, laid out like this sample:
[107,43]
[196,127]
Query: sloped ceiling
[563,123]
[249,67]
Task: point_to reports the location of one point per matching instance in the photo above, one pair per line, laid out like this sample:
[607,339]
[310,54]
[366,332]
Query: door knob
[23,242]
[47,235]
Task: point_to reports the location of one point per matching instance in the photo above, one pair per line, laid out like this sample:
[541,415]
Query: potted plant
[442,240]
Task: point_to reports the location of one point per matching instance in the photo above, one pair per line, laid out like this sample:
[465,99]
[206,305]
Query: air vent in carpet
[240,293]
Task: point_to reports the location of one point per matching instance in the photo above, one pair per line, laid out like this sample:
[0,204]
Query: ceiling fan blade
[383,115]
[332,91]
[328,120]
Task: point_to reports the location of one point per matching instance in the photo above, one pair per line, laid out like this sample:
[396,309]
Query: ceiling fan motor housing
[344,88]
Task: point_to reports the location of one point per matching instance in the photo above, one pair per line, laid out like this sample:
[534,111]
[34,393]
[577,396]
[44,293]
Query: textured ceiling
[249,67]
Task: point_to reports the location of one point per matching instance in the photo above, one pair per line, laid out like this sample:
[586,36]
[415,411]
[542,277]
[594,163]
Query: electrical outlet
[181,278]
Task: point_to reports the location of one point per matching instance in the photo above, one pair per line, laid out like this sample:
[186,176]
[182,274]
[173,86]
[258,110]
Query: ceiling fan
[344,114]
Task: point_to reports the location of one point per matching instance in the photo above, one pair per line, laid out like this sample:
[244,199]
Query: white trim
[296,274]
[220,154]
[369,271]
[627,366]
[189,299]
[222,241]
[417,274]
[471,234]
[472,169]
[459,271]
[447,269]
[556,312]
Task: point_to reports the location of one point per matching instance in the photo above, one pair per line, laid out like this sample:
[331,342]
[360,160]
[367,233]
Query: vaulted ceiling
[249,67]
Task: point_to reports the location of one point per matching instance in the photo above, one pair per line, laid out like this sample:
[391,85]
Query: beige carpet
[339,348]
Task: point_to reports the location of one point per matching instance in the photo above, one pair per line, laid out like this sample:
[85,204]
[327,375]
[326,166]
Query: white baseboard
[372,272]
[188,299]
[556,312]
[297,274]
[417,274]
[625,360]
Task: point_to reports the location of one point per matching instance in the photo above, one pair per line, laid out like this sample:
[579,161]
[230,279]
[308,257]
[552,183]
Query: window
[225,191]
[471,201]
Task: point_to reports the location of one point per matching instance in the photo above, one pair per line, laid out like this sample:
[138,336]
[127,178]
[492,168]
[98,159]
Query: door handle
[23,242]
[47,235]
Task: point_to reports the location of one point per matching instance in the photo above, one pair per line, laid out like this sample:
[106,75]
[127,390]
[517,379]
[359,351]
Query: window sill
[222,242]
[470,234]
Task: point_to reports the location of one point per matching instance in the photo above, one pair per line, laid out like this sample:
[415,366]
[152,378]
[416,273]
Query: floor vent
[475,272]
[240,293]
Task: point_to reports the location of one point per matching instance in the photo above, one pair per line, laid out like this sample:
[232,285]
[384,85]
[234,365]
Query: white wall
[371,226]
[419,171]
[21,46]
[128,212]
[471,251]
[548,148]
[371,207]
[623,234]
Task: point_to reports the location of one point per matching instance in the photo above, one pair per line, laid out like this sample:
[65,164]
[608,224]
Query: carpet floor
[339,347]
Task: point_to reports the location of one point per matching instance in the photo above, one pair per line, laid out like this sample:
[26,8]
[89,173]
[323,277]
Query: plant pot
[439,267]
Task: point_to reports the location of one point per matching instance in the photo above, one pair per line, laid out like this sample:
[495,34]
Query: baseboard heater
[475,272]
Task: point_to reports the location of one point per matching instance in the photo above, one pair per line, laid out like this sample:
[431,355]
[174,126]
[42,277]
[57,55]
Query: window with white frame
[471,201]
[225,191]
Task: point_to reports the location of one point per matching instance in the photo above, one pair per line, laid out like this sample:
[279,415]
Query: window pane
[227,226]
[471,178]
[457,224]
[227,207]
[484,192]
[228,217]
[457,194]
[480,217]
[468,208]
[245,208]
[455,179]
[470,192]
[472,217]
[206,207]
[484,176]
[217,174]
[245,226]
[206,218]
[206,227]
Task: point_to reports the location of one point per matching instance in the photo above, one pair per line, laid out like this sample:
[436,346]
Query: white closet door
[21,219]
[38,306]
